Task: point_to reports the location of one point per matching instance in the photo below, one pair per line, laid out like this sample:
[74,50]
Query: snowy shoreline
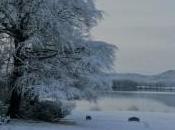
[101,121]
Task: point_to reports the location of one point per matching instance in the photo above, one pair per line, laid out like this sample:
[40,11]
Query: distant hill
[166,78]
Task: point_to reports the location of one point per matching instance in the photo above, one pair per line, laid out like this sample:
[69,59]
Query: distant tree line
[129,85]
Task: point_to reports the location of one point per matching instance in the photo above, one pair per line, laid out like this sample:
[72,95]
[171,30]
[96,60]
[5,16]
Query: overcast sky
[144,31]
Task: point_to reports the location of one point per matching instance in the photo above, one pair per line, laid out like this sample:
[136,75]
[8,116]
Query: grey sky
[144,31]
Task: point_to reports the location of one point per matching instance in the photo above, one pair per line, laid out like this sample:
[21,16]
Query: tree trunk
[15,102]
[15,99]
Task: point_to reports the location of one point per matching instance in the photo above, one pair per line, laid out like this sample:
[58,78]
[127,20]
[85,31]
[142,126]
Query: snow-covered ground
[101,121]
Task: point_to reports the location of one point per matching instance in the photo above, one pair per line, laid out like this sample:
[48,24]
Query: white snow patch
[101,121]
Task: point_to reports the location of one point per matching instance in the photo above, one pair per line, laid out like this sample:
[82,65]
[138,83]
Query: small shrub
[48,111]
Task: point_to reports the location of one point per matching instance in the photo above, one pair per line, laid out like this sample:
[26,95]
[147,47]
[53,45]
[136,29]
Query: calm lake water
[131,101]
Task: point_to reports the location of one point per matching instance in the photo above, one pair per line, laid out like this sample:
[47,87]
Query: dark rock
[134,119]
[88,117]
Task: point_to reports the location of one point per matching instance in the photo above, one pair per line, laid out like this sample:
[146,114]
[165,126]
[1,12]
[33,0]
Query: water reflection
[131,101]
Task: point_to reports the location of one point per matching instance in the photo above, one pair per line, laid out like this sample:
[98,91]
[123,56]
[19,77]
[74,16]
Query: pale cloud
[144,31]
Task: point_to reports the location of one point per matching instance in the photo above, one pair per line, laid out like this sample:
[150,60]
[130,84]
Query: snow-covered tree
[47,51]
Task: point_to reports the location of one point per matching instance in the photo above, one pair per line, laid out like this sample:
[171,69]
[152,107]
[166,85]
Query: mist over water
[131,101]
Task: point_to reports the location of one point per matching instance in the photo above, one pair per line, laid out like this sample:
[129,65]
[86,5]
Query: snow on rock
[101,121]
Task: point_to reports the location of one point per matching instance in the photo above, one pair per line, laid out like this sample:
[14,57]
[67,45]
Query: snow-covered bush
[46,110]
